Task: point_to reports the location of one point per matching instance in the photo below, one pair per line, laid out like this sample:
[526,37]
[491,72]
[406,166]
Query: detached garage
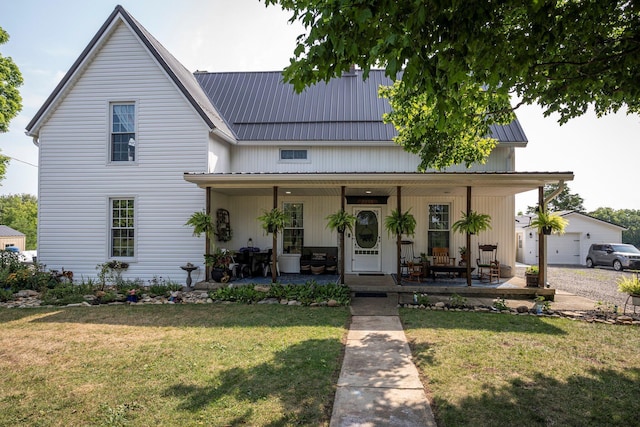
[570,248]
[10,237]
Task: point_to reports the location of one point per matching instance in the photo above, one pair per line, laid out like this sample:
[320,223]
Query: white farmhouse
[131,144]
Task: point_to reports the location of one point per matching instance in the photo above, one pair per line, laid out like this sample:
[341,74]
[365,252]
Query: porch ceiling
[377,184]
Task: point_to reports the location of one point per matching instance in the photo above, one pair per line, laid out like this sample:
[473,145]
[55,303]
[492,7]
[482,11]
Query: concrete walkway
[379,385]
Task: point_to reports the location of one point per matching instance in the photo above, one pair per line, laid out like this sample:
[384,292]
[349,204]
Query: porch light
[250,243]
[530,235]
[368,192]
[588,236]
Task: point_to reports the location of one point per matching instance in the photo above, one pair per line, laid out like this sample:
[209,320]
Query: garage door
[563,249]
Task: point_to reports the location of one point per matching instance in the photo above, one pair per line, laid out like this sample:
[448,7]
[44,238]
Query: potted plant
[549,222]
[201,223]
[399,223]
[630,285]
[219,260]
[272,222]
[531,275]
[462,250]
[472,223]
[341,221]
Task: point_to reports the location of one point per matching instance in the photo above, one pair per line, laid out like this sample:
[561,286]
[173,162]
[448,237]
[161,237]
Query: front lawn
[484,369]
[167,365]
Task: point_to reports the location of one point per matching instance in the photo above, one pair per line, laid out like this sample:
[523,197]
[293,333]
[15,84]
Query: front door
[366,254]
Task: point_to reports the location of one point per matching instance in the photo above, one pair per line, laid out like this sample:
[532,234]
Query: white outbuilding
[569,248]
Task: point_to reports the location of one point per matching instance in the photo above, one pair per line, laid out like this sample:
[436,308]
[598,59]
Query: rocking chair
[488,266]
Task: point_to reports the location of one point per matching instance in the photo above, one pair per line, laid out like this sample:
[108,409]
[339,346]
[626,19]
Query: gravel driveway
[597,284]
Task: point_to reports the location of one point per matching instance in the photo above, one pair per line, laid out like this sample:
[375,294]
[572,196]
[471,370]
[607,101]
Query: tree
[629,218]
[460,61]
[10,80]
[564,201]
[20,212]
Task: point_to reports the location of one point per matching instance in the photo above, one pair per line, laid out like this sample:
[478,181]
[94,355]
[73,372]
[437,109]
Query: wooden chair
[406,256]
[441,257]
[488,266]
[415,271]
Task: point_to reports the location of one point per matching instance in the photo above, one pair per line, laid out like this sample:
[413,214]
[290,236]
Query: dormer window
[297,155]
[123,132]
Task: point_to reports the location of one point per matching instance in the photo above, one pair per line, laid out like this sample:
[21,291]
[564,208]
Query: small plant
[421,299]
[500,304]
[543,303]
[629,285]
[532,270]
[606,308]
[457,301]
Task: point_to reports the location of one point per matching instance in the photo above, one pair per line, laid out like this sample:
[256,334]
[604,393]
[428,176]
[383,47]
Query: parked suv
[617,255]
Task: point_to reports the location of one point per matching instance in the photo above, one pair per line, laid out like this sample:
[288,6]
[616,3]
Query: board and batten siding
[350,158]
[77,181]
[244,211]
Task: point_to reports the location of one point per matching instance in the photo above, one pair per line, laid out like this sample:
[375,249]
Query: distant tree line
[566,201]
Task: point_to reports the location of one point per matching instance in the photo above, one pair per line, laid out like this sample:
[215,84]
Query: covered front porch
[246,196]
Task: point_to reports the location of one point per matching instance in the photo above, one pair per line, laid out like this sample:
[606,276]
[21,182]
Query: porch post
[542,251]
[399,238]
[274,253]
[207,240]
[467,255]
[341,271]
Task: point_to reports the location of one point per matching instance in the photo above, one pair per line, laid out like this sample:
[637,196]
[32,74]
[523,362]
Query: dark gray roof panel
[259,106]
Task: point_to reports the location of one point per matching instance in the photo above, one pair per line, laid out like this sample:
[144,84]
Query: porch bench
[318,258]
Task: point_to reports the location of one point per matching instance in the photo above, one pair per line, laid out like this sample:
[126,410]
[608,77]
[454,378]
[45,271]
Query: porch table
[461,271]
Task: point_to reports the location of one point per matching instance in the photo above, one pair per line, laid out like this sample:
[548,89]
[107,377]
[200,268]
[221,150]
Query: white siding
[76,180]
[349,158]
[245,210]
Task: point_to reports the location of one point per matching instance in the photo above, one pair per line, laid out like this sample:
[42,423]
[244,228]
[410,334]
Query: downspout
[36,142]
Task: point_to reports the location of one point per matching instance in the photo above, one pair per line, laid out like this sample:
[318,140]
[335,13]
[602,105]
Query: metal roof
[259,106]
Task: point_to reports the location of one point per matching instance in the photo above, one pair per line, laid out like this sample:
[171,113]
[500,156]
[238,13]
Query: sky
[46,37]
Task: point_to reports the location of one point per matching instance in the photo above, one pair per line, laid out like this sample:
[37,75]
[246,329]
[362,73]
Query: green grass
[169,365]
[484,369]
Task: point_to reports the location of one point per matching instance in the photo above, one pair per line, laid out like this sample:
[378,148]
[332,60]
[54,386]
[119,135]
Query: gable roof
[259,106]
[180,76]
[524,221]
[6,231]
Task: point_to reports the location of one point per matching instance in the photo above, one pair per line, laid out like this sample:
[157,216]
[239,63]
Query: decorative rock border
[591,316]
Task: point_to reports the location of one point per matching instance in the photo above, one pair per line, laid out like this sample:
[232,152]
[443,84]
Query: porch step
[370,294]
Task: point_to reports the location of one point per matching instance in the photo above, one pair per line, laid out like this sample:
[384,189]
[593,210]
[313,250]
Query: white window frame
[430,230]
[132,145]
[294,160]
[111,228]
[290,226]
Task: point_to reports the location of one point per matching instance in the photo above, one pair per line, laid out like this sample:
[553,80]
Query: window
[293,233]
[122,228]
[123,132]
[439,223]
[287,155]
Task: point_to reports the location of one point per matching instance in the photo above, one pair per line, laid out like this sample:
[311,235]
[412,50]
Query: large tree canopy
[10,80]
[462,59]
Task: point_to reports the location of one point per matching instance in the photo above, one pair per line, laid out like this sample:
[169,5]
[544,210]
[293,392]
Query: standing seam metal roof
[259,106]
